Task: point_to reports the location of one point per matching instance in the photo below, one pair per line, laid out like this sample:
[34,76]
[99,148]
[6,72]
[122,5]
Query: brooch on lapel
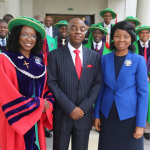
[128,62]
[20,57]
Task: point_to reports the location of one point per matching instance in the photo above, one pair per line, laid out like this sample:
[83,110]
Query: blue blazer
[129,91]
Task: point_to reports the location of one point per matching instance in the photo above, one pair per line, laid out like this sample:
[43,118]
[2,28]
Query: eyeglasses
[26,36]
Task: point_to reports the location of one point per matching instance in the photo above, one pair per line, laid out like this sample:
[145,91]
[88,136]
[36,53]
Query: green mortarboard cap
[131,18]
[98,27]
[28,21]
[140,28]
[61,23]
[108,10]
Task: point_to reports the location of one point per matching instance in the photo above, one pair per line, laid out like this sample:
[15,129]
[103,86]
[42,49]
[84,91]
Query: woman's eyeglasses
[26,36]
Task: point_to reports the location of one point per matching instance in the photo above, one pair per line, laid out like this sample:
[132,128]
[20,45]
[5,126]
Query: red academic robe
[12,135]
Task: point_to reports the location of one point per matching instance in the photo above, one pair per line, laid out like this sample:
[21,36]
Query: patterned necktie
[63,42]
[3,42]
[96,48]
[107,36]
[78,64]
[145,52]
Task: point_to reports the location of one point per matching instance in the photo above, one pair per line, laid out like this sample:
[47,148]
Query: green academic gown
[148,114]
[105,50]
[52,42]
[90,40]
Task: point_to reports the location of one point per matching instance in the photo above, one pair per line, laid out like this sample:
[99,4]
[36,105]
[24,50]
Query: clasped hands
[46,106]
[77,113]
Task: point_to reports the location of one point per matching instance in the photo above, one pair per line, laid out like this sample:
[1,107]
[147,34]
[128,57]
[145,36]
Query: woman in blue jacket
[121,107]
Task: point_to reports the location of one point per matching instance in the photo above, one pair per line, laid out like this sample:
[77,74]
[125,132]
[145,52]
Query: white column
[2,9]
[12,7]
[143,11]
[119,7]
[130,9]
[27,8]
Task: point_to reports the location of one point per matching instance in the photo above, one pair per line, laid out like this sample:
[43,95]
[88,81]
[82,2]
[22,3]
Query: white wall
[143,11]
[10,7]
[85,7]
[119,6]
[27,8]
[2,9]
[131,6]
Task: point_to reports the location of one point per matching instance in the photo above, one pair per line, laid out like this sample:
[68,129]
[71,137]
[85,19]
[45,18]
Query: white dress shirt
[99,45]
[142,44]
[4,41]
[49,31]
[109,29]
[73,55]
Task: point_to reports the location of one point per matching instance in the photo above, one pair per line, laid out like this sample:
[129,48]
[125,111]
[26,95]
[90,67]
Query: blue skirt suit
[122,102]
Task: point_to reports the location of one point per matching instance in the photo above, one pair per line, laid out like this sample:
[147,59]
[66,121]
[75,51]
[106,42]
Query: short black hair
[8,15]
[13,41]
[2,21]
[127,26]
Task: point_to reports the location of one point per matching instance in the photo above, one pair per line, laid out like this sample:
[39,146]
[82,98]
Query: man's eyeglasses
[26,36]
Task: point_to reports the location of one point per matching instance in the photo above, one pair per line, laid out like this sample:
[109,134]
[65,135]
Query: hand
[148,79]
[46,106]
[97,124]
[77,113]
[138,132]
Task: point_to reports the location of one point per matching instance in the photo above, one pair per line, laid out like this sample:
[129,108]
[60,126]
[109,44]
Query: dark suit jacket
[85,41]
[55,32]
[69,91]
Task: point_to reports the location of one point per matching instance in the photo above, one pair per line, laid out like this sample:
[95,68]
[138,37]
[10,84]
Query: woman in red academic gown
[26,104]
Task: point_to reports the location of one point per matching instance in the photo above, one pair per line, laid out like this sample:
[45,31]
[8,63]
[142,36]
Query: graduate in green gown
[62,39]
[134,21]
[108,14]
[98,45]
[50,41]
[143,48]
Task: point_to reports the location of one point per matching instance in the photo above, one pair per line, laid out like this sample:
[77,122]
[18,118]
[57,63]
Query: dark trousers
[80,138]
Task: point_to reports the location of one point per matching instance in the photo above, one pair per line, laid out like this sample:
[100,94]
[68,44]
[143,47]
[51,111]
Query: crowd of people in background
[54,77]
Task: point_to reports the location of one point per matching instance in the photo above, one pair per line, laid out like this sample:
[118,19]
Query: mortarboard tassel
[116,19]
[107,42]
[107,45]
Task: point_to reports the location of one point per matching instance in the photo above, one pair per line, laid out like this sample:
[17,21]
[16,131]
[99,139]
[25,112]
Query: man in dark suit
[3,34]
[74,76]
[87,33]
[50,30]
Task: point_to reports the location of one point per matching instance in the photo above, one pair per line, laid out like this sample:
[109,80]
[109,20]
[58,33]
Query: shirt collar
[141,43]
[3,39]
[107,25]
[48,28]
[71,48]
[99,44]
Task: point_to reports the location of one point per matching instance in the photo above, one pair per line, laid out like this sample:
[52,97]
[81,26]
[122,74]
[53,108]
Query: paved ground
[93,142]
